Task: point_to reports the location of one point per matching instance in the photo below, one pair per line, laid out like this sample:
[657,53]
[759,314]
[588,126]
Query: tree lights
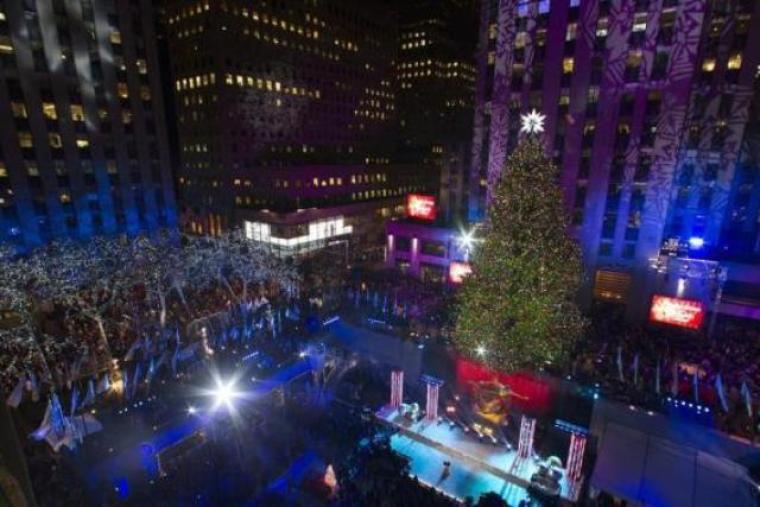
[518,301]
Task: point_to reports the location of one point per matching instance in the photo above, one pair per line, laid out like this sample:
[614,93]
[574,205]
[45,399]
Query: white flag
[131,352]
[35,387]
[620,363]
[74,400]
[89,398]
[747,397]
[104,385]
[14,400]
[636,369]
[721,392]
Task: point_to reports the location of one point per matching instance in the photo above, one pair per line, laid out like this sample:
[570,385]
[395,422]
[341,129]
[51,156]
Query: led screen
[680,312]
[420,206]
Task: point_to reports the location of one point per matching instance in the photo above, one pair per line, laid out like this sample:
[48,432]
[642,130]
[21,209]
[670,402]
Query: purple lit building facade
[83,143]
[647,105]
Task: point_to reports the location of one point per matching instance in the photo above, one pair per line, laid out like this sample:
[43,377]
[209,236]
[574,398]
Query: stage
[476,467]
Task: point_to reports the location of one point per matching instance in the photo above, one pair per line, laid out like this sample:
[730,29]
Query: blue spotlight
[696,242]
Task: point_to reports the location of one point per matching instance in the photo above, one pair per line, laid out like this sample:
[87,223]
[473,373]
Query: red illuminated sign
[459,270]
[686,313]
[420,206]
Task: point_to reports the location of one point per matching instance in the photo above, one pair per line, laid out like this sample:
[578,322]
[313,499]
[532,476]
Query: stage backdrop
[525,384]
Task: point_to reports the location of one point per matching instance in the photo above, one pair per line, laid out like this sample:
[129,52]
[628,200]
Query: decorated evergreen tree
[516,310]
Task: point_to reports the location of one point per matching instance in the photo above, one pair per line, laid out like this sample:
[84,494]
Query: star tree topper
[532,123]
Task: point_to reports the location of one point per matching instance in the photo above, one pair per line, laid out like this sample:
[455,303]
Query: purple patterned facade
[647,106]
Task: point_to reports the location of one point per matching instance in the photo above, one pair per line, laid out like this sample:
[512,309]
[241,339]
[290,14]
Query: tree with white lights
[161,266]
[516,310]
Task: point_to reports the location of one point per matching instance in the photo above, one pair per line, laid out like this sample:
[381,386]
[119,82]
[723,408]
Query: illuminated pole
[525,442]
[431,408]
[575,457]
[397,388]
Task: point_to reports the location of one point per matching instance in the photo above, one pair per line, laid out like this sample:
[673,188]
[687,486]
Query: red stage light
[420,206]
[459,270]
[680,312]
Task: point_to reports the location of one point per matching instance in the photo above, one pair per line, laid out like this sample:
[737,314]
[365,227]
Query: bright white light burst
[466,239]
[532,123]
[224,394]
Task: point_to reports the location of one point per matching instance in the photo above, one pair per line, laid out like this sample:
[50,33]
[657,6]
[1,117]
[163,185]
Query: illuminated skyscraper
[262,87]
[647,104]
[436,76]
[83,146]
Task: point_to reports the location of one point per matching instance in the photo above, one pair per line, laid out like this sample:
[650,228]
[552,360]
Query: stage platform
[485,466]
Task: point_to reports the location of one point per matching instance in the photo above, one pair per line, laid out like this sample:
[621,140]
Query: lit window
[3,171]
[77,113]
[55,140]
[567,65]
[122,90]
[19,109]
[640,22]
[142,66]
[634,59]
[601,27]
[32,169]
[571,31]
[65,198]
[115,37]
[735,61]
[6,47]
[708,65]
[25,139]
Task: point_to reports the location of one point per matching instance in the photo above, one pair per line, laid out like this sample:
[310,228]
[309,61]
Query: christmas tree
[516,310]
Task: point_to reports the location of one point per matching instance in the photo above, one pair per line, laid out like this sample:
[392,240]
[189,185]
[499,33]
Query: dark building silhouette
[83,144]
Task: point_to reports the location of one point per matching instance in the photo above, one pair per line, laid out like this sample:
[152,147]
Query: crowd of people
[64,325]
[647,365]
[422,308]
[132,336]
[378,476]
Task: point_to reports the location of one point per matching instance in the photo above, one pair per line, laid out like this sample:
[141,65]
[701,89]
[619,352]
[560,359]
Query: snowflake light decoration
[532,123]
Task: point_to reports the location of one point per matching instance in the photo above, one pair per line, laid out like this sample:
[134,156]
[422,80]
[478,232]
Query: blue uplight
[696,242]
